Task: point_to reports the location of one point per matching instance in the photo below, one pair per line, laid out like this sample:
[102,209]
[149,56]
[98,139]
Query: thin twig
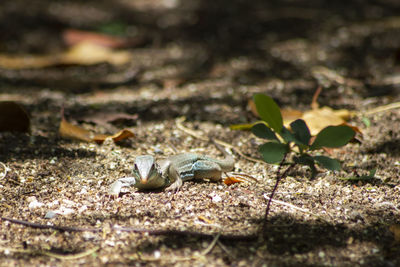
[180,126]
[293,207]
[382,108]
[224,248]
[211,246]
[53,255]
[53,227]
[286,204]
[72,256]
[314,102]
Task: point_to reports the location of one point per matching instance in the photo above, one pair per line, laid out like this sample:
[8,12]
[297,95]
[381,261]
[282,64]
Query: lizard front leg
[116,187]
[175,178]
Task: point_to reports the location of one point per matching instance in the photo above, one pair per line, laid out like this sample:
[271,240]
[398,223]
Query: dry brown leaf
[13,118]
[27,61]
[232,180]
[68,130]
[123,134]
[81,54]
[289,115]
[317,119]
[252,107]
[87,53]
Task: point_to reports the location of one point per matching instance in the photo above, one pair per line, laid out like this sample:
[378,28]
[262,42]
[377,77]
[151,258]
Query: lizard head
[145,169]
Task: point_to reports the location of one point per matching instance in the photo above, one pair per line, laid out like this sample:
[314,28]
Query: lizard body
[148,173]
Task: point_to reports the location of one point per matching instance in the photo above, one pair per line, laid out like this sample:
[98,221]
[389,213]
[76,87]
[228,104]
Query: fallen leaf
[239,178]
[86,53]
[81,54]
[13,118]
[27,61]
[68,130]
[290,115]
[232,180]
[317,119]
[123,134]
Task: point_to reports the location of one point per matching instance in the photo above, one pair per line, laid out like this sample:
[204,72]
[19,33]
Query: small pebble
[216,199]
[50,215]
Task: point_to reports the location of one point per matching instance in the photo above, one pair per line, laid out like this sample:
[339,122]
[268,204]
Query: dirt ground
[203,60]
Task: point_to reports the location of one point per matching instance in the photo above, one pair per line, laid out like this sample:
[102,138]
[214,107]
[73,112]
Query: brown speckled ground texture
[202,60]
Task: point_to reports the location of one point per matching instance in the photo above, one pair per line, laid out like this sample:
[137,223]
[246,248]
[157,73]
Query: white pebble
[216,199]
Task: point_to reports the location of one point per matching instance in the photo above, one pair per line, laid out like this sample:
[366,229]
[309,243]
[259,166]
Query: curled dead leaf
[317,119]
[68,130]
[232,180]
[84,53]
[121,135]
[289,115]
[239,178]
[87,53]
[13,117]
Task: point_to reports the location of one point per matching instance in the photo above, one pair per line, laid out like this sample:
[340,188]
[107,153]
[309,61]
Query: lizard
[170,173]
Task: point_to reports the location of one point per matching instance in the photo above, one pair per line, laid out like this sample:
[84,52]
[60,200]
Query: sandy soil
[202,60]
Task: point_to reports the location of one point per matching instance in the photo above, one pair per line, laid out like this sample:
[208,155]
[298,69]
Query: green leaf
[328,163]
[301,131]
[287,135]
[273,152]
[269,111]
[304,159]
[333,136]
[261,130]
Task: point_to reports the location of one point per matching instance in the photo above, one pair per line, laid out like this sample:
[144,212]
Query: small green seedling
[297,139]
